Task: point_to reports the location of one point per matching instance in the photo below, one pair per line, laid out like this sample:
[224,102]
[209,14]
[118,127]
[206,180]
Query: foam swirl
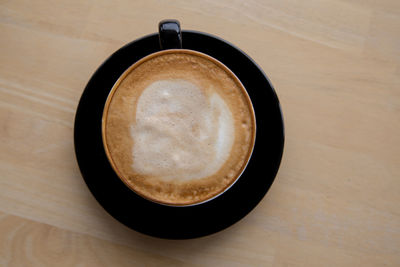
[180,132]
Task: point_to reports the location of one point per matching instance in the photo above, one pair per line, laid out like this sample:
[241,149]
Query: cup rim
[116,86]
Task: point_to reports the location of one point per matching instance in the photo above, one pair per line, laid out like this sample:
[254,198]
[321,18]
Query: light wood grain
[336,67]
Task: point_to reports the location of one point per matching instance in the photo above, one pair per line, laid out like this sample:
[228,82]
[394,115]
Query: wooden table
[336,68]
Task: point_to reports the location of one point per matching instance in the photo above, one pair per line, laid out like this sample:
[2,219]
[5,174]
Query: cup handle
[169,33]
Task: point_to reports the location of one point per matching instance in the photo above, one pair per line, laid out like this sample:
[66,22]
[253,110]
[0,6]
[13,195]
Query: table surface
[336,67]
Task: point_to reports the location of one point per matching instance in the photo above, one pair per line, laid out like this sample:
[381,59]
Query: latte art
[178,127]
[181,133]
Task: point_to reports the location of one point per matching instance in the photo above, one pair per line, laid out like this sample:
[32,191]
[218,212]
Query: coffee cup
[178,126]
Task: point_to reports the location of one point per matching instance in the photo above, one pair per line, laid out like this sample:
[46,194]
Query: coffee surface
[178,127]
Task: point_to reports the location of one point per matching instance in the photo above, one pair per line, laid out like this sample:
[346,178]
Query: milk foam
[181,132]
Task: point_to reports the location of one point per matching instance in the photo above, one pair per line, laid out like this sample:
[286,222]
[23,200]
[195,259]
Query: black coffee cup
[183,222]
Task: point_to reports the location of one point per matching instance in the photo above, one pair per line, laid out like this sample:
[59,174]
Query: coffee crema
[178,127]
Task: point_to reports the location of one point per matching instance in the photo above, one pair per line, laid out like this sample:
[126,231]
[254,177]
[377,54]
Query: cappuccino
[178,127]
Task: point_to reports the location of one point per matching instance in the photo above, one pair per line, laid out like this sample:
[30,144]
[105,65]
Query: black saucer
[179,222]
